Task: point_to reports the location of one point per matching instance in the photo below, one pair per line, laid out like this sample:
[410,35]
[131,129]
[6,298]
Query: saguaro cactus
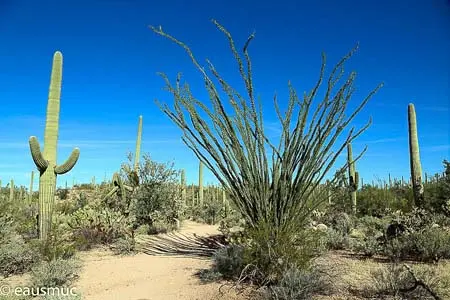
[46,161]
[200,183]
[183,186]
[414,156]
[353,176]
[137,153]
[11,191]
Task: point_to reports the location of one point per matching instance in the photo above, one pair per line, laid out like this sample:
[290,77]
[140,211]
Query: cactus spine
[200,183]
[46,161]
[414,156]
[353,177]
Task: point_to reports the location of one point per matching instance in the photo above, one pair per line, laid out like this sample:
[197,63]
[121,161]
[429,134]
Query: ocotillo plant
[269,193]
[46,161]
[353,176]
[200,183]
[414,157]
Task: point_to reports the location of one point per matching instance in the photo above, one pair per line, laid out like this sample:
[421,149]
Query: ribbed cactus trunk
[46,160]
[414,155]
[183,186]
[353,177]
[225,203]
[200,183]
[137,152]
[11,190]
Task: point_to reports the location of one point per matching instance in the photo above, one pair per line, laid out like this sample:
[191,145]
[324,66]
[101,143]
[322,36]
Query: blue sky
[111,60]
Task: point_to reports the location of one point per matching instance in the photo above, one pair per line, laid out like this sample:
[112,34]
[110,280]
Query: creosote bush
[274,195]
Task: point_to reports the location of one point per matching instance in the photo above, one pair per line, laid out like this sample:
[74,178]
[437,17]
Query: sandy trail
[150,277]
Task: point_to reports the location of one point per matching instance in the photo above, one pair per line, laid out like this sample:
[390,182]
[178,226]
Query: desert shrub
[300,284]
[229,261]
[271,254]
[93,226]
[428,245]
[55,273]
[143,229]
[369,240]
[275,196]
[157,198]
[59,243]
[62,193]
[336,240]
[399,281]
[431,244]
[375,201]
[124,246]
[16,256]
[339,221]
[437,192]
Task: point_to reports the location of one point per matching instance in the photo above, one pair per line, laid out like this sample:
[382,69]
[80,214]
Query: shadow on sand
[178,244]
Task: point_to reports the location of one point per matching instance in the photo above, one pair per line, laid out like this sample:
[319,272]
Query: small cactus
[46,160]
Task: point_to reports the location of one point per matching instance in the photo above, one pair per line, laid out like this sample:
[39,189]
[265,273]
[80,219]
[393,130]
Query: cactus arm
[111,192]
[69,163]
[36,154]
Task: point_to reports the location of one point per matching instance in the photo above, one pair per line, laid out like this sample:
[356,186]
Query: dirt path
[150,276]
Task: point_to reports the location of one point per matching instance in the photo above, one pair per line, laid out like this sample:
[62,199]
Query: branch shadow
[178,244]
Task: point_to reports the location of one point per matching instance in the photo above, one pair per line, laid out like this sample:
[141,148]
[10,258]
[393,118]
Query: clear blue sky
[111,58]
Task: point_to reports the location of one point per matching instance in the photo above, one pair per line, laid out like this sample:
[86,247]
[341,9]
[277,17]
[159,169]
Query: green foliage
[300,284]
[92,226]
[229,261]
[59,243]
[398,282]
[124,246]
[55,273]
[157,199]
[275,197]
[16,256]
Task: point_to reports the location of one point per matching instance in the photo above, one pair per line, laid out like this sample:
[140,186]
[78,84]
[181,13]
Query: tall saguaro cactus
[183,186]
[414,156]
[46,160]
[11,191]
[137,153]
[200,183]
[353,176]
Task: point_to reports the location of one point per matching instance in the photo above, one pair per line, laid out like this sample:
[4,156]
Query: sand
[153,276]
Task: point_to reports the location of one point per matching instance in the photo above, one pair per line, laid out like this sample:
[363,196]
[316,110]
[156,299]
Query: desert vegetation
[289,228]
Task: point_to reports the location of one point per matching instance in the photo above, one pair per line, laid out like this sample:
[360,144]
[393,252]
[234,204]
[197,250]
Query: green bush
[229,261]
[124,246]
[397,281]
[336,240]
[93,226]
[16,256]
[300,284]
[55,273]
